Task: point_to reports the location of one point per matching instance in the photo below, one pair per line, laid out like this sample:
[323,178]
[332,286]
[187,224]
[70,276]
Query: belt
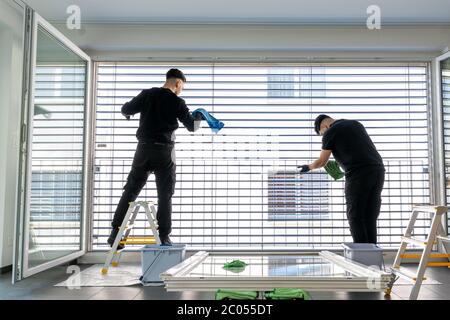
[157,143]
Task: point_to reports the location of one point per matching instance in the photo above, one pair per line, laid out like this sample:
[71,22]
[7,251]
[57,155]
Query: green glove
[286,294]
[332,168]
[235,266]
[222,294]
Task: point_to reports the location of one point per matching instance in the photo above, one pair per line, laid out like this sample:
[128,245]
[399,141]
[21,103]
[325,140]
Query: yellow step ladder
[436,235]
[113,257]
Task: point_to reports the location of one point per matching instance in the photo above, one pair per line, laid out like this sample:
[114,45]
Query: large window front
[240,188]
[445,92]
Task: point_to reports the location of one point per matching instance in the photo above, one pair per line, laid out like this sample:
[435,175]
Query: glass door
[52,224]
[442,102]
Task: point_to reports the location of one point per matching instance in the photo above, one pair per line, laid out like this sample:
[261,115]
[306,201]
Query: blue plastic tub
[157,259]
[368,254]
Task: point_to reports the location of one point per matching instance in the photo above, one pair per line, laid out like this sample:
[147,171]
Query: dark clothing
[363,200]
[160,110]
[351,146]
[355,152]
[150,158]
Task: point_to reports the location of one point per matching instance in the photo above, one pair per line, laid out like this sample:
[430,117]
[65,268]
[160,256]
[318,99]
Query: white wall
[11,57]
[157,41]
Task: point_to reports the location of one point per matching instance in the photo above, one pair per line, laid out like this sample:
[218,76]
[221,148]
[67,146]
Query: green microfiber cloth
[332,168]
[235,266]
[287,293]
[236,295]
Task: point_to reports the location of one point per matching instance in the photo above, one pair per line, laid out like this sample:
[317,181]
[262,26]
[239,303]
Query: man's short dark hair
[175,74]
[318,121]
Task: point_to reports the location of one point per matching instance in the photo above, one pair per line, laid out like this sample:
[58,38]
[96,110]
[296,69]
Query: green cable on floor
[333,169]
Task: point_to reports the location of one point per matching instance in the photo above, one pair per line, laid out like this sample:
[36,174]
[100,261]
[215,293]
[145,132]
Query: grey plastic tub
[157,259]
[368,254]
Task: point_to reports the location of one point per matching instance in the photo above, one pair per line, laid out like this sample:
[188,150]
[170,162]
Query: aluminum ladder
[436,235]
[113,257]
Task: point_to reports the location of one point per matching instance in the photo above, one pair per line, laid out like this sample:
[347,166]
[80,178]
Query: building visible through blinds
[294,195]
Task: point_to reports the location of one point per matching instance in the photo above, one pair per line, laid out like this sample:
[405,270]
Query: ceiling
[247,11]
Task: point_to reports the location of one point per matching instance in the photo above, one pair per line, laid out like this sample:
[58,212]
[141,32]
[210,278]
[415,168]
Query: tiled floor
[41,287]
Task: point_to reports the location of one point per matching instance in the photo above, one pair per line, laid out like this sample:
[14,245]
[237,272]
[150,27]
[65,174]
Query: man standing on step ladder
[160,109]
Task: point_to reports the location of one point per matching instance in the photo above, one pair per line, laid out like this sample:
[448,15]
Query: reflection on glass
[445,67]
[269,266]
[57,152]
[445,76]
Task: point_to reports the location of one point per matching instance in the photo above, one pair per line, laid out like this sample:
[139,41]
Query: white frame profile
[438,148]
[362,278]
[22,236]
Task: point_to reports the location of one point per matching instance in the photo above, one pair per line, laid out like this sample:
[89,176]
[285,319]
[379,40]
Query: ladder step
[405,274]
[416,241]
[431,209]
[418,256]
[139,240]
[443,238]
[438,264]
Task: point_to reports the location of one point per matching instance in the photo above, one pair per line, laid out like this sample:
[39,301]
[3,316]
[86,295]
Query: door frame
[440,183]
[21,270]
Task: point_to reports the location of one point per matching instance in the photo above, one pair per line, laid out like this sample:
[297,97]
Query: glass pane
[269,266]
[445,76]
[57,151]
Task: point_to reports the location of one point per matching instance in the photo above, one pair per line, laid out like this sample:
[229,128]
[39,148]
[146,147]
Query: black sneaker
[165,241]
[112,238]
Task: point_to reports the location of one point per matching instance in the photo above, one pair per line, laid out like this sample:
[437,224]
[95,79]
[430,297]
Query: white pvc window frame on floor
[357,277]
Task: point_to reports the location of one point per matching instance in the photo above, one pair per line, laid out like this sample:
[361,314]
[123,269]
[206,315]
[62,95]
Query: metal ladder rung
[430,209]
[443,238]
[418,255]
[405,274]
[438,264]
[416,241]
[138,240]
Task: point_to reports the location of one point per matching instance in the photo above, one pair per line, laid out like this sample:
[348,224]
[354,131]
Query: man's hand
[127,117]
[305,168]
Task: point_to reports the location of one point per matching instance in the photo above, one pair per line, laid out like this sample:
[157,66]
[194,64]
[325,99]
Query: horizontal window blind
[445,79]
[240,188]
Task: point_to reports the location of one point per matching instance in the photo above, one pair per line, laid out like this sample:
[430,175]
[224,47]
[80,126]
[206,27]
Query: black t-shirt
[351,146]
[160,110]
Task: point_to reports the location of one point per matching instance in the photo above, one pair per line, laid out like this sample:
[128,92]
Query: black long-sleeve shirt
[351,146]
[160,110]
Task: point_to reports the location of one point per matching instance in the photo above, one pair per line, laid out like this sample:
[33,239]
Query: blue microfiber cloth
[213,123]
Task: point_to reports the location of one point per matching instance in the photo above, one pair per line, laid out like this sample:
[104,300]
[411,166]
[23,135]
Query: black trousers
[363,199]
[157,159]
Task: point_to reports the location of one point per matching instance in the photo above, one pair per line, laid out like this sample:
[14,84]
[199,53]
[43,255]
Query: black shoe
[165,241]
[112,238]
